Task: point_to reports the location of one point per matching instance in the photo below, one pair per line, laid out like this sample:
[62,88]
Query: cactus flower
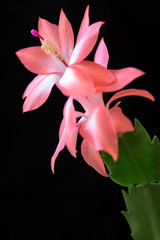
[99,126]
[58,61]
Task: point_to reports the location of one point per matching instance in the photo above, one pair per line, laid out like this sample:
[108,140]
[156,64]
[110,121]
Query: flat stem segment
[143,215]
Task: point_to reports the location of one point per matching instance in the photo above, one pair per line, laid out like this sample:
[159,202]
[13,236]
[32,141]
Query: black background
[76,202]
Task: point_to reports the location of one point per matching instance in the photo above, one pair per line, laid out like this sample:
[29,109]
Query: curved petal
[86,104]
[130,92]
[86,43]
[101,76]
[59,148]
[72,148]
[37,61]
[70,123]
[32,85]
[121,122]
[48,31]
[124,76]
[93,158]
[40,93]
[76,83]
[84,25]
[62,128]
[102,56]
[99,130]
[66,36]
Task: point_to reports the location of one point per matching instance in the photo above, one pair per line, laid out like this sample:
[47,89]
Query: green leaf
[143,215]
[138,161]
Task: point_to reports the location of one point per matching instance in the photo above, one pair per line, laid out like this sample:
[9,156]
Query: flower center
[49,48]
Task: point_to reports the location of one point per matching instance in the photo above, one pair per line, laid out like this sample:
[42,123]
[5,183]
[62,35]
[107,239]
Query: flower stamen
[49,48]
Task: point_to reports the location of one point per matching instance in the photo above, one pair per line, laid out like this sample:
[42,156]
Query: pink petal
[70,123]
[66,36]
[90,102]
[84,25]
[130,92]
[121,122]
[59,148]
[87,105]
[32,85]
[40,93]
[48,31]
[86,43]
[99,130]
[76,83]
[79,114]
[102,56]
[37,61]
[96,98]
[62,128]
[124,76]
[101,76]
[81,121]
[93,158]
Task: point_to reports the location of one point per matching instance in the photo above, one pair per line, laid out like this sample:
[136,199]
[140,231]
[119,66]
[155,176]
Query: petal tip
[102,22]
[18,53]
[53,163]
[62,12]
[23,110]
[142,73]
[152,98]
[115,157]
[39,19]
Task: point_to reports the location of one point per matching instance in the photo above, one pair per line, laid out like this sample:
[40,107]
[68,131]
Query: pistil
[36,34]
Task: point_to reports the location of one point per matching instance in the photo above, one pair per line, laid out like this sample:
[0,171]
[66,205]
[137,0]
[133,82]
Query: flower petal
[70,123]
[48,31]
[66,36]
[93,158]
[102,56]
[59,148]
[37,61]
[101,76]
[86,43]
[76,83]
[130,92]
[96,98]
[99,130]
[84,25]
[40,92]
[87,105]
[62,128]
[32,85]
[124,76]
[121,122]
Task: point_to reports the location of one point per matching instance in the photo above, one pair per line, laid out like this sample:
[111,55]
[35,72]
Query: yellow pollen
[51,49]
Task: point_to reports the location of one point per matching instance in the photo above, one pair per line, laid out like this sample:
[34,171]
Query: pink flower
[98,126]
[58,62]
